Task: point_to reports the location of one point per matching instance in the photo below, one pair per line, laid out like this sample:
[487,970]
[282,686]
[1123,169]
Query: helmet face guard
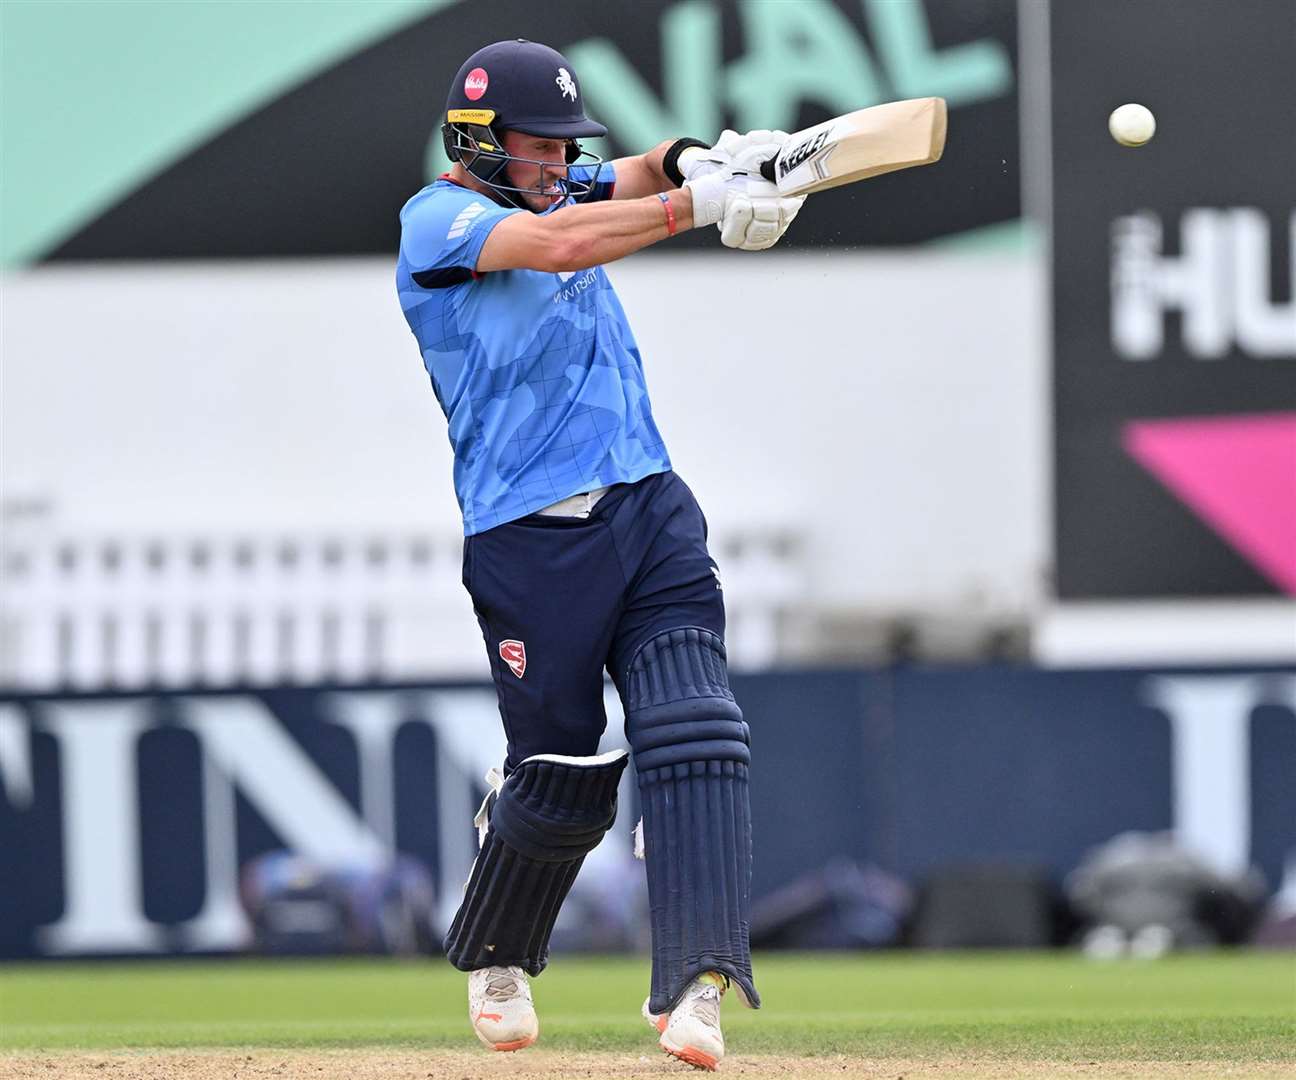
[474,143]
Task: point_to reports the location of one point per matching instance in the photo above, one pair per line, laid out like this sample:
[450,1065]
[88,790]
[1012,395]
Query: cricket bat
[860,145]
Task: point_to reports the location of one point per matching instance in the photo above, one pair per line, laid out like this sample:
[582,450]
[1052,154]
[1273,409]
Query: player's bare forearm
[642,174]
[578,237]
[603,232]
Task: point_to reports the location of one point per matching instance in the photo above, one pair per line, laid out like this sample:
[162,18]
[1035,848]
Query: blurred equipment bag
[1143,892]
[988,907]
[841,906]
[297,906]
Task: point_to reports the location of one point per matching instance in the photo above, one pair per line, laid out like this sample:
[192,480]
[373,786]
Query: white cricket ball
[1132,125]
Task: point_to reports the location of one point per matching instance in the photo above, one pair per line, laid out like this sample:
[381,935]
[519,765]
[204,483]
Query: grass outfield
[958,1015]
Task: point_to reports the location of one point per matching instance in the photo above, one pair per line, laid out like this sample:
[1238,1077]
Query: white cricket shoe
[500,1008]
[691,1032]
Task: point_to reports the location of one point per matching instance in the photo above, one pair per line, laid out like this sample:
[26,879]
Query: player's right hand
[749,211]
[710,191]
[755,214]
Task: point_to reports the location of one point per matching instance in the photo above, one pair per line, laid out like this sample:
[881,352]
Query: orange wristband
[670,212]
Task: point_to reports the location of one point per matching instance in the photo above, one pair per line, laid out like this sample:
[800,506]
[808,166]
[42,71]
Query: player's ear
[450,139]
[486,139]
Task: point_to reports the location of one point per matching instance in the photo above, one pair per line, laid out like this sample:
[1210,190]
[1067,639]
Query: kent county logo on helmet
[566,83]
[475,84]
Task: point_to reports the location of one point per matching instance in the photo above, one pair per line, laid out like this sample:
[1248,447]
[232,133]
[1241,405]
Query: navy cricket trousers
[561,599]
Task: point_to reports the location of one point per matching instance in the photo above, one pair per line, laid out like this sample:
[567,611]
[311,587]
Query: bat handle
[767,169]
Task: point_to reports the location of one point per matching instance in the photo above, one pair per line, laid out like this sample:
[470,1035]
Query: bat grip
[767,169]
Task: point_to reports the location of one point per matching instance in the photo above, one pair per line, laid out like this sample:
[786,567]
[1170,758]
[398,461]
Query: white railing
[89,613]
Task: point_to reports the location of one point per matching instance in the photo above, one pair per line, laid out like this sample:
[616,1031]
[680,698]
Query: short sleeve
[445,226]
[604,177]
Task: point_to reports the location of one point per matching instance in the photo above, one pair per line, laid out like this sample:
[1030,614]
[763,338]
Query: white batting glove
[699,161]
[741,152]
[755,214]
[710,191]
[748,209]
[748,152]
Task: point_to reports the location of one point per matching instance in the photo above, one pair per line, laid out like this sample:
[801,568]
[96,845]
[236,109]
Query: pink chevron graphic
[1237,473]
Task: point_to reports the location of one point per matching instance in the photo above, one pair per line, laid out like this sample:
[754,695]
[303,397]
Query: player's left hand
[732,151]
[755,214]
[748,152]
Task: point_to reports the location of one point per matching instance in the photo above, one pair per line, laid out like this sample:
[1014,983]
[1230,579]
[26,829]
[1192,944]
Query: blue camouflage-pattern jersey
[538,374]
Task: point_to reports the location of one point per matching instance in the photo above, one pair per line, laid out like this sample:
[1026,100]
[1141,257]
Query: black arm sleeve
[670,163]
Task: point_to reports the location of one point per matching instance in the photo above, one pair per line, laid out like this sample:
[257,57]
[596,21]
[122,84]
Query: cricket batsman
[583,549]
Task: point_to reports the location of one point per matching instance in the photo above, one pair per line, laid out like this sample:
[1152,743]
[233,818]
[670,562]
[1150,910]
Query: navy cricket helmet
[516,86]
